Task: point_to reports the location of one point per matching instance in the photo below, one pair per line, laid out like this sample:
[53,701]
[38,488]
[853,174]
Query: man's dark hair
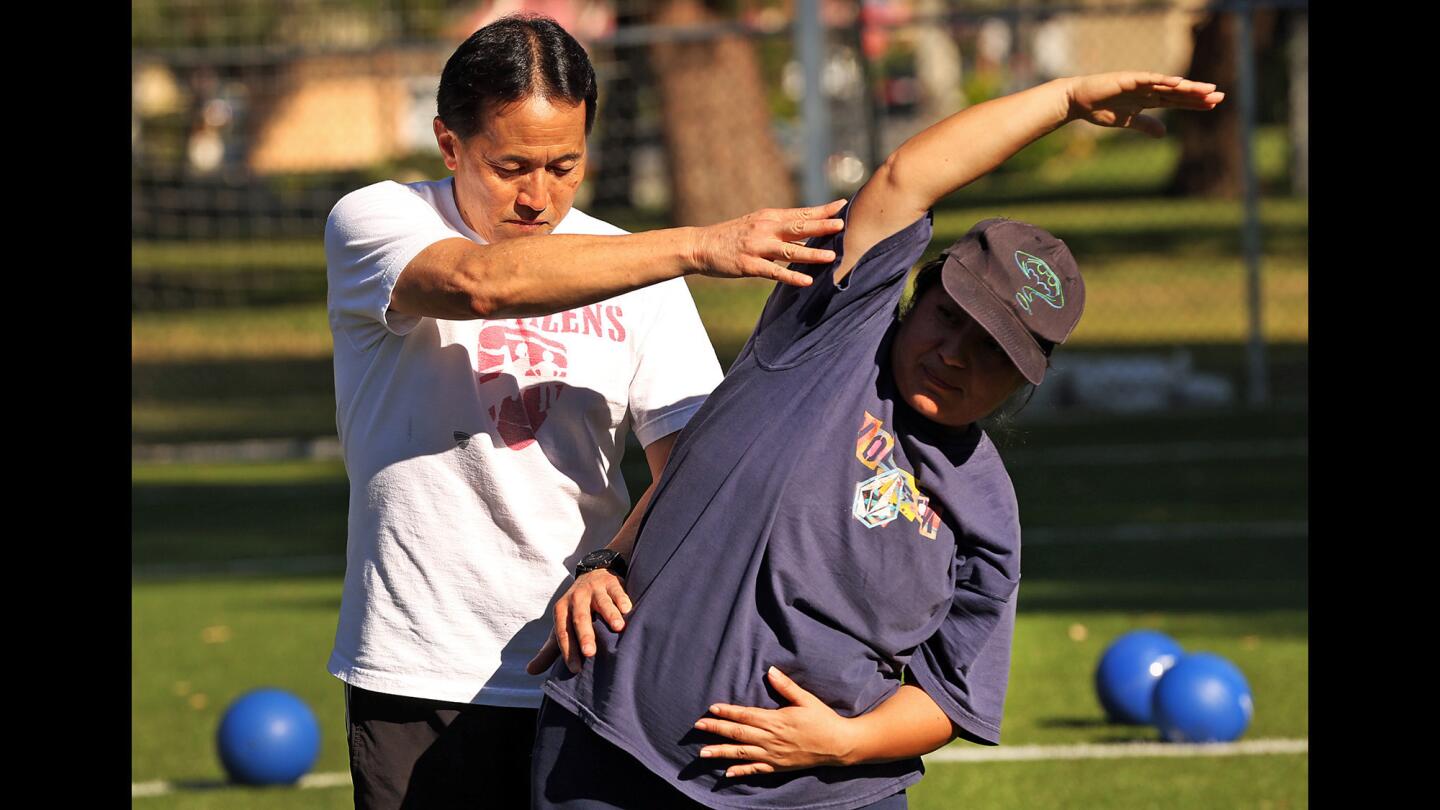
[516,57]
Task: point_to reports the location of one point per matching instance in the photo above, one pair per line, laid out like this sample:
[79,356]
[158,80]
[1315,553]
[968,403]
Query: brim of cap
[996,317]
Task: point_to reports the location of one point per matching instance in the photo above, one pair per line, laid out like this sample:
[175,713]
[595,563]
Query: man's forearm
[456,279]
[657,454]
[908,724]
[624,541]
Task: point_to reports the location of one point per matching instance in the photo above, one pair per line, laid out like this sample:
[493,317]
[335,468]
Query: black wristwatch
[606,558]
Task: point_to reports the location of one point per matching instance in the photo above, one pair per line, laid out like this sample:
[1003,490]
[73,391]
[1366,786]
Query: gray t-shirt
[810,520]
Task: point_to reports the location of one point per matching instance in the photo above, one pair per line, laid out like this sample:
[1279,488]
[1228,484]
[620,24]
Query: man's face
[518,174]
[946,366]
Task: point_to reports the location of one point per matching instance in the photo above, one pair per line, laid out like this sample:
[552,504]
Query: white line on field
[1118,751]
[968,754]
[160,788]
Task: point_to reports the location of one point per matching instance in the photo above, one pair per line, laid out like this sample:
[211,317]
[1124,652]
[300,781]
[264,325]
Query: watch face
[599,559]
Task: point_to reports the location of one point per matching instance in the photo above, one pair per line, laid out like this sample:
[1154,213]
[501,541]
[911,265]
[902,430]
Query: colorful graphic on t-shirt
[524,355]
[892,491]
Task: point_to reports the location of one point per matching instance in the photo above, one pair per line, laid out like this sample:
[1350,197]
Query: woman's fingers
[748,769]
[788,689]
[750,752]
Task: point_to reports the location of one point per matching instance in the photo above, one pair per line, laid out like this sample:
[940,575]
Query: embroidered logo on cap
[1047,284]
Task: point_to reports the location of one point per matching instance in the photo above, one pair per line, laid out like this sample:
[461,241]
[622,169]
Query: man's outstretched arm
[456,279]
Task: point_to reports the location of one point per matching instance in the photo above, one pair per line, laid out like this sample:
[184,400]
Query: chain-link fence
[250,119]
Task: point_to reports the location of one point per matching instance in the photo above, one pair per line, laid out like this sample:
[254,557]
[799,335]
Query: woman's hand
[802,735]
[1118,99]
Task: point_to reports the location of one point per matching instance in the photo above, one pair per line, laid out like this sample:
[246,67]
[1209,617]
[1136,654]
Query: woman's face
[946,366]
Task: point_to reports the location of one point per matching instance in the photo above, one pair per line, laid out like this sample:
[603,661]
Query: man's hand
[802,735]
[572,636]
[754,245]
[1118,99]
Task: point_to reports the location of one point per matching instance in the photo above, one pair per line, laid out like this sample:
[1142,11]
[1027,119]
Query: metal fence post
[1257,393]
[814,107]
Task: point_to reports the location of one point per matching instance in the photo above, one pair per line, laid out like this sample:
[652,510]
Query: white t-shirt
[483,455]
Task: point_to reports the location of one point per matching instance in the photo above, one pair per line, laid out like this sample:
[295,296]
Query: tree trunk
[723,159]
[1210,159]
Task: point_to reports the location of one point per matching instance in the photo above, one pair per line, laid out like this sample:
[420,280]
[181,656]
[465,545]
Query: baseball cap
[1018,282]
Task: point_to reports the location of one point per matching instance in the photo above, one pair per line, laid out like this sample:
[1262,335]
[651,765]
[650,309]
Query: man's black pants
[408,753]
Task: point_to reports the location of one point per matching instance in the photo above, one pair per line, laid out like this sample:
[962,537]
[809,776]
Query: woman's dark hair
[516,57]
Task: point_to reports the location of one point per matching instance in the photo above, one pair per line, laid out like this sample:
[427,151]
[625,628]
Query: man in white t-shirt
[484,385]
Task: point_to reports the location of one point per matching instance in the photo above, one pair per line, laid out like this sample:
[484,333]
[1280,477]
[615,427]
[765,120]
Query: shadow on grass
[1226,575]
[216,523]
[1073,722]
[222,379]
[203,784]
[1115,732]
[287,604]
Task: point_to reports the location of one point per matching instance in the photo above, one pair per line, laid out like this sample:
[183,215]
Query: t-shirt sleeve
[797,321]
[372,234]
[676,368]
[965,666]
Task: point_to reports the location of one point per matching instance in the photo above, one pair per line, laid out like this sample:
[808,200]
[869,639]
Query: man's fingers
[787,252]
[607,609]
[800,230]
[543,659]
[829,209]
[569,645]
[581,620]
[619,597]
[771,270]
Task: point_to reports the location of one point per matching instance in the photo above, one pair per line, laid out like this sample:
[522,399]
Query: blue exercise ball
[1203,698]
[268,737]
[1128,671]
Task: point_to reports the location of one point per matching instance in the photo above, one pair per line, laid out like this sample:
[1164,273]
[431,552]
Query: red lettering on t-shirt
[592,318]
[567,321]
[548,325]
[617,331]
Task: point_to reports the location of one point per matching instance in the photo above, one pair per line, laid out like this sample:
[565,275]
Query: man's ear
[449,143]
